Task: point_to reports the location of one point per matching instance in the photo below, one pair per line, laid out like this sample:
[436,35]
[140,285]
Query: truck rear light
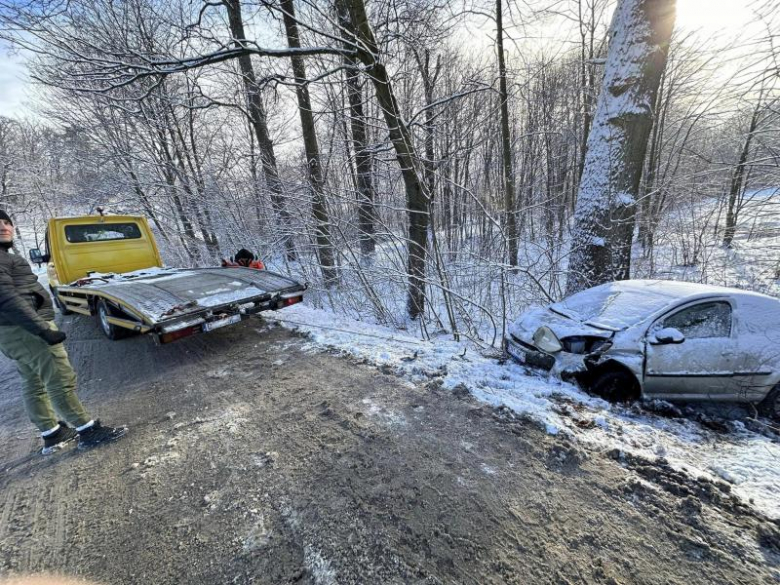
[179,333]
[292,301]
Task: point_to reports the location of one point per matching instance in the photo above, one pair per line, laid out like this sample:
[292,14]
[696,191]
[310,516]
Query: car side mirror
[666,336]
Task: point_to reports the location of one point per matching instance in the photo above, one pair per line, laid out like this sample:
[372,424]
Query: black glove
[53,337]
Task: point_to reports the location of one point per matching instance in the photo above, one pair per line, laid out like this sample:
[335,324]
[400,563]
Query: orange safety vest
[255,264]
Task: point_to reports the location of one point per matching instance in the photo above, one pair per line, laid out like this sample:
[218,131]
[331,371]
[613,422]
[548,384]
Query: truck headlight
[546,340]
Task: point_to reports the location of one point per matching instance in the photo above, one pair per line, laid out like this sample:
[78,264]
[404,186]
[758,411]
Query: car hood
[525,327]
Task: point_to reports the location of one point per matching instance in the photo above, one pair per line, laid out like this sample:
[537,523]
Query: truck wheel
[58,303]
[113,332]
[616,386]
[770,406]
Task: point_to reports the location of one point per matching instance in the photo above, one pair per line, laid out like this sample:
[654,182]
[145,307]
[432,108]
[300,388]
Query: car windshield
[610,307]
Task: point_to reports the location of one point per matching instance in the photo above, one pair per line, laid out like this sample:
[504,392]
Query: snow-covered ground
[40,271]
[748,460]
[689,249]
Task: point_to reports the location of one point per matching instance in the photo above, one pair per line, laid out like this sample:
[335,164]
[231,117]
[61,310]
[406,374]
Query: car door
[757,359]
[700,367]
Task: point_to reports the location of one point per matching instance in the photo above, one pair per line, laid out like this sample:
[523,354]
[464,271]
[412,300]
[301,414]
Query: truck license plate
[221,323]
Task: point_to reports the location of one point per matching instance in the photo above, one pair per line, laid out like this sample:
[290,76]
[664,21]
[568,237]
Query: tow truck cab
[78,246]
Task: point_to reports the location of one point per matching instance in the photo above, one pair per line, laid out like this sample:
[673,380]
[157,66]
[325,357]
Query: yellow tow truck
[109,266]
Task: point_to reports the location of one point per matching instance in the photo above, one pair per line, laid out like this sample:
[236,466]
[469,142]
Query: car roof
[678,290]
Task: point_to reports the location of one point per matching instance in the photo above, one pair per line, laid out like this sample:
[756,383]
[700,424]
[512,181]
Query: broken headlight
[585,345]
[546,340]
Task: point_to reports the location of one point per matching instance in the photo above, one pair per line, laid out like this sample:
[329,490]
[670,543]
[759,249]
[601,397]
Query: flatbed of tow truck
[108,266]
[171,303]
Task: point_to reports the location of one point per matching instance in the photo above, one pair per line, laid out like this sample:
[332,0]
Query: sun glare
[713,16]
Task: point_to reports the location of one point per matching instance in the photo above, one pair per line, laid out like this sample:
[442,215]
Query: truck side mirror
[37,257]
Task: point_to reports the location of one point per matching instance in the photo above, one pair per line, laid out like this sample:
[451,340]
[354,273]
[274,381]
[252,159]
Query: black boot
[58,439]
[97,434]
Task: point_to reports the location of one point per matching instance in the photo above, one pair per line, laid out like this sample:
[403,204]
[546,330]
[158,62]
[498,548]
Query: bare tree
[363,168]
[417,197]
[258,120]
[510,214]
[311,148]
[738,177]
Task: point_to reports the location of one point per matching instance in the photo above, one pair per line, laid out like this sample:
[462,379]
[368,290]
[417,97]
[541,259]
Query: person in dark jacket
[244,258]
[29,336]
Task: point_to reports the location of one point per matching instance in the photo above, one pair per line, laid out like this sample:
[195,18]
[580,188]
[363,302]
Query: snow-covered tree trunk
[605,212]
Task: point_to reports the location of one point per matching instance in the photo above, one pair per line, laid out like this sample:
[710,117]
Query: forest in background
[418,163]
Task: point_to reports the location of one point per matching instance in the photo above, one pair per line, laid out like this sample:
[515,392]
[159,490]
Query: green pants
[49,379]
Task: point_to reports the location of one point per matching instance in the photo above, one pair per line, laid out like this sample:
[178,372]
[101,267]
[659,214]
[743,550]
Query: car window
[703,320]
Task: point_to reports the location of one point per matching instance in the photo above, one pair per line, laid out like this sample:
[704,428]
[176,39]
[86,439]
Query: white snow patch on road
[747,460]
[388,417]
[319,567]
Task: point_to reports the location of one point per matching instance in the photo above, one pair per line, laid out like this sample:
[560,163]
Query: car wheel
[616,386]
[113,332]
[58,303]
[770,406]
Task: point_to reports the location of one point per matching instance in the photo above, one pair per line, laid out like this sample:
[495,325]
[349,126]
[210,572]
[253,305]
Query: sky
[714,15]
[728,17]
[12,83]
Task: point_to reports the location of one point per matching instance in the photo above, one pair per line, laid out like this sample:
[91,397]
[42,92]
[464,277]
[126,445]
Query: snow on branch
[115,74]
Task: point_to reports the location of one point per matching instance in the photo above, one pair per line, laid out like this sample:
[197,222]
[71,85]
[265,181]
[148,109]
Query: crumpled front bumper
[559,364]
[527,355]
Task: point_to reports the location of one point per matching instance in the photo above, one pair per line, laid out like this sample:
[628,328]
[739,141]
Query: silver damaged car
[670,340]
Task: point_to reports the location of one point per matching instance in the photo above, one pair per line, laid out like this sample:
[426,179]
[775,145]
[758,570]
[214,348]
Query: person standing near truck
[244,258]
[29,336]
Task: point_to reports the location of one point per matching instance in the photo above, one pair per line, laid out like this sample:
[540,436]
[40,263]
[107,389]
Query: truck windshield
[101,232]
